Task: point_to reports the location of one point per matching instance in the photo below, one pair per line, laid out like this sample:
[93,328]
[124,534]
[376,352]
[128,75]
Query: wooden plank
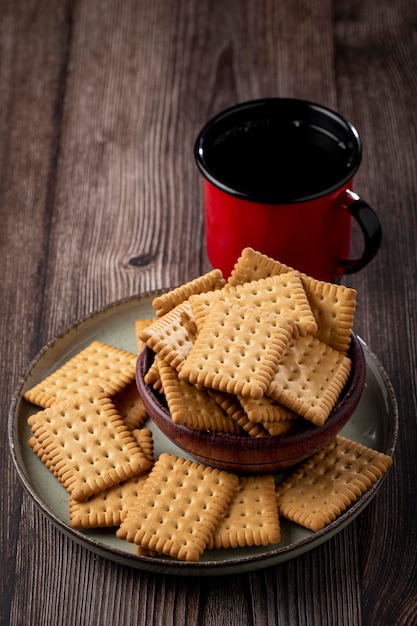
[33,41]
[376,79]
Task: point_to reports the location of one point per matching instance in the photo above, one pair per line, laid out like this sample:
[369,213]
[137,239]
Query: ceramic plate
[374,424]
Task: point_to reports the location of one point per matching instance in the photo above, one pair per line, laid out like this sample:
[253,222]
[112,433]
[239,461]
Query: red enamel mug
[278,177]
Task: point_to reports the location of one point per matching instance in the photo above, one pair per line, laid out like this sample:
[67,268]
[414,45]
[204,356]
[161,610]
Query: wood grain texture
[100,104]
[380,40]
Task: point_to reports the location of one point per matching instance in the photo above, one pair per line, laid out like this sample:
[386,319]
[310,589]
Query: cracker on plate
[97,365]
[252,516]
[88,446]
[319,490]
[180,505]
[106,508]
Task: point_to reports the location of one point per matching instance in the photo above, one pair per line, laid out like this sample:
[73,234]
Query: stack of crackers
[270,344]
[244,357]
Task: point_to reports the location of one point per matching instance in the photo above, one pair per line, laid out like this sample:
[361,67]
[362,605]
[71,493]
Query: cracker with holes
[310,378]
[172,335]
[180,505]
[88,446]
[168,301]
[97,365]
[106,508]
[237,349]
[319,490]
[333,307]
[283,295]
[252,516]
[39,450]
[191,406]
[252,265]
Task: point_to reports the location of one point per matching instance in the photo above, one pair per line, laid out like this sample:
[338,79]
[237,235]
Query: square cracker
[191,406]
[237,350]
[252,265]
[97,365]
[333,306]
[320,489]
[87,444]
[282,294]
[179,507]
[207,282]
[252,516]
[172,335]
[106,508]
[310,378]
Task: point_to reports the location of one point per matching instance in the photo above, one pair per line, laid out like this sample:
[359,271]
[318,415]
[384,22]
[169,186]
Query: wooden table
[100,199]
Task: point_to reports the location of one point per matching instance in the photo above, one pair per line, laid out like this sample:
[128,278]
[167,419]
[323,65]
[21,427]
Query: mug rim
[236,109]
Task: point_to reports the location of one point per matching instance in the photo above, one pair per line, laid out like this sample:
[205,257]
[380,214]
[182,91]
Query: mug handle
[371,229]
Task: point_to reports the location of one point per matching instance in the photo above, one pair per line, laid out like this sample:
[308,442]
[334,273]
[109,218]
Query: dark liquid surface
[291,161]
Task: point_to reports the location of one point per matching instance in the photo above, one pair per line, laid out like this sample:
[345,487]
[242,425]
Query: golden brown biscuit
[318,491]
[88,445]
[282,295]
[252,516]
[172,335]
[130,407]
[237,350]
[98,364]
[193,407]
[108,507]
[167,301]
[180,505]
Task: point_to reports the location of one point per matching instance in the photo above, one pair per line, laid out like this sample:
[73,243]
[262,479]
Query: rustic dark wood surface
[100,103]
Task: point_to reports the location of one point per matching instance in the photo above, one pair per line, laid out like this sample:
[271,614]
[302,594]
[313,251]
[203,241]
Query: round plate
[374,424]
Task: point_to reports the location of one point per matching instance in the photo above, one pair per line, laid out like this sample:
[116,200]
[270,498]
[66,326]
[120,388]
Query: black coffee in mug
[288,159]
[278,176]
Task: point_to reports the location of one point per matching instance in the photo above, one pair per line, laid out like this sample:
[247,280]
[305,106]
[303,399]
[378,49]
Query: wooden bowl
[244,454]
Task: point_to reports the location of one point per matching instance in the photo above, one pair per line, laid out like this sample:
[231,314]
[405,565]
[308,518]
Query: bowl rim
[304,438]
